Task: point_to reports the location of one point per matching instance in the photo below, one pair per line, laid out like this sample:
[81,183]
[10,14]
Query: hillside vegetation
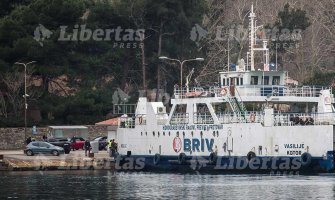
[92,54]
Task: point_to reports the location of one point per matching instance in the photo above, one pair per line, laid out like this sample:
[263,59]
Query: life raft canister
[157,158]
[306,159]
[327,100]
[212,158]
[252,117]
[251,155]
[140,119]
[223,92]
[181,158]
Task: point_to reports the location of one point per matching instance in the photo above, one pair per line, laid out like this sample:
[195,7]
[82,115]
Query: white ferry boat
[253,121]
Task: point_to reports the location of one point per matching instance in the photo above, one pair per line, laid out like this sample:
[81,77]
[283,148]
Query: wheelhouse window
[276,80]
[232,81]
[266,80]
[254,80]
[223,81]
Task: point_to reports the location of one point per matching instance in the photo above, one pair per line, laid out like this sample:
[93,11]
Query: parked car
[61,142]
[77,143]
[102,142]
[43,148]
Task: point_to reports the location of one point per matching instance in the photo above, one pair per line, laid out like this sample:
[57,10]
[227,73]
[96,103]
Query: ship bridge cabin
[255,83]
[263,86]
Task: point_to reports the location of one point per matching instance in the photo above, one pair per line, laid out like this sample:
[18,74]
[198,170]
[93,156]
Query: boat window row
[254,80]
[232,81]
[265,80]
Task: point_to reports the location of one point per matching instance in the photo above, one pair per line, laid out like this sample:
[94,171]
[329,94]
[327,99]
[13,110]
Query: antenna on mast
[252,37]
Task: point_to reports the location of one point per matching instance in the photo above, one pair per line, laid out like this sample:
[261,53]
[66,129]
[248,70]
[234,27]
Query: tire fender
[212,158]
[181,158]
[157,158]
[306,159]
[251,155]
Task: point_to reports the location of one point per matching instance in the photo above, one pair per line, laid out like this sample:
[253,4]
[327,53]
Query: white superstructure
[252,112]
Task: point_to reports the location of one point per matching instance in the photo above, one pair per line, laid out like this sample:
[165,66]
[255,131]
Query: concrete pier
[75,160]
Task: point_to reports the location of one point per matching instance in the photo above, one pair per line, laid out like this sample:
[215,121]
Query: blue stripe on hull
[227,164]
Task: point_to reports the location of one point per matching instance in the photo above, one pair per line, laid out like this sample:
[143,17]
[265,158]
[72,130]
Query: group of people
[30,139]
[112,146]
[302,120]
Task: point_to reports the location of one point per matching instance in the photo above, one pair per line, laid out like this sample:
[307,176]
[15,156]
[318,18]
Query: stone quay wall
[13,138]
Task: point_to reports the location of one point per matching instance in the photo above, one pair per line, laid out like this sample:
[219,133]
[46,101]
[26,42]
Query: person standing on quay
[28,140]
[87,147]
[45,138]
[110,148]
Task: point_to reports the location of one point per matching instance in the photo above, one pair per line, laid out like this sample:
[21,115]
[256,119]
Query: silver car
[43,148]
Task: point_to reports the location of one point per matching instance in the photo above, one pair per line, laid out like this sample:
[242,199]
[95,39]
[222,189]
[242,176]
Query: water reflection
[109,185]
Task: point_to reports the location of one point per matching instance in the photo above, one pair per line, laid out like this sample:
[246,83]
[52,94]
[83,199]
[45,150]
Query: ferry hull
[225,164]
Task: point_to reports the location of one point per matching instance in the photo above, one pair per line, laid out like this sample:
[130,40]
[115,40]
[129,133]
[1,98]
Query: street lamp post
[247,61]
[181,65]
[25,95]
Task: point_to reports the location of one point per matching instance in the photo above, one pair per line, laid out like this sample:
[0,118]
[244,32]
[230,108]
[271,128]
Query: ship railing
[240,117]
[179,93]
[325,118]
[120,109]
[303,119]
[179,118]
[280,90]
[250,90]
[192,92]
[127,122]
[203,118]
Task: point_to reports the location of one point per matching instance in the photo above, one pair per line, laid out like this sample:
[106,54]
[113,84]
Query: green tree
[291,22]
[93,69]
